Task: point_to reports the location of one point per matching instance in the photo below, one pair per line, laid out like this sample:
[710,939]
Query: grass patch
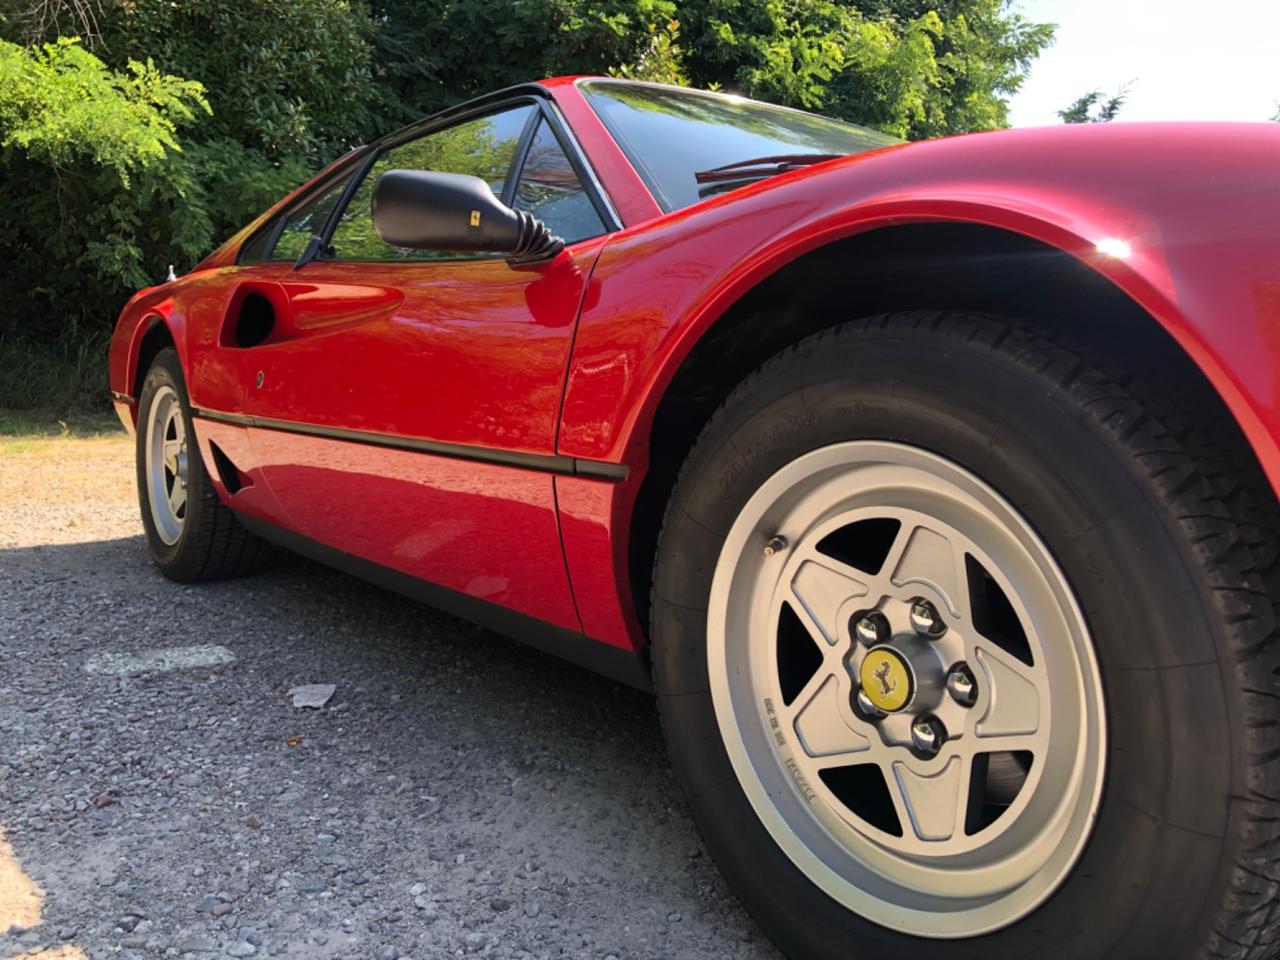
[61,378]
[29,426]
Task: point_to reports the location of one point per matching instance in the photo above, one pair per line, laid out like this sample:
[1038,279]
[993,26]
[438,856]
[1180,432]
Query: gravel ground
[459,795]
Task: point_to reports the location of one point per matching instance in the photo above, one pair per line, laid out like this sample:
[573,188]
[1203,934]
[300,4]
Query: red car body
[479,433]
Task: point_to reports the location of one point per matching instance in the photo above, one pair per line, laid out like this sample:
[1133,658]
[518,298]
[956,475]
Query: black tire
[1165,528]
[212,545]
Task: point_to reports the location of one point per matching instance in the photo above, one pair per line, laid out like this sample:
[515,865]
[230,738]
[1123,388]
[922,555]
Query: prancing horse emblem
[886,679]
[882,674]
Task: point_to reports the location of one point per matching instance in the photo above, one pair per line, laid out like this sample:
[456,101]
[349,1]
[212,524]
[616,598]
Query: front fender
[146,309]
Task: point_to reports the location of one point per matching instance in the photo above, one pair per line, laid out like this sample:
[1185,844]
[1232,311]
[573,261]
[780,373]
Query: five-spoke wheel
[907,691]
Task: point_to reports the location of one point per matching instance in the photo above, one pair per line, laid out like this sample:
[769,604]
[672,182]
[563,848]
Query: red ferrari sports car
[931,486]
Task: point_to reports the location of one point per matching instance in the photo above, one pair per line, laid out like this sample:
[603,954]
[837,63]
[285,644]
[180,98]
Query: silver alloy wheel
[906,689]
[167,464]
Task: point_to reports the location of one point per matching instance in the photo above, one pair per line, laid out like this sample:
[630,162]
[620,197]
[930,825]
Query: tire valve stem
[775,545]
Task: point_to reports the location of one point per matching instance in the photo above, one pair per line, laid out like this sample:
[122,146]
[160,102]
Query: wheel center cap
[886,679]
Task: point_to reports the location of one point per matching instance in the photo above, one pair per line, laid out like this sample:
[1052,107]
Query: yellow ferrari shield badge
[886,679]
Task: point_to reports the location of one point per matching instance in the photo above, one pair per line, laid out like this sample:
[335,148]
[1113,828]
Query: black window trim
[359,166]
[417,132]
[324,238]
[625,145]
[516,168]
[543,110]
[356,164]
[586,175]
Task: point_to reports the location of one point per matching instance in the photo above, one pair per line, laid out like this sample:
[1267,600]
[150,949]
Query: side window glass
[550,190]
[255,251]
[483,148]
[305,221]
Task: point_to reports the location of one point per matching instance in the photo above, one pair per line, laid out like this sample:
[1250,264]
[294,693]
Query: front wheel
[964,648]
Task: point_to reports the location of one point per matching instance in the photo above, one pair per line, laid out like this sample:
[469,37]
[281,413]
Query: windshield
[671,134]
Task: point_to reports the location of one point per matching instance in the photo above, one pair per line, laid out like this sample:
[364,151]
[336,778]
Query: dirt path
[459,793]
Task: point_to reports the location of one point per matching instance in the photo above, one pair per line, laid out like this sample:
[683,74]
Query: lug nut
[775,546]
[926,620]
[866,709]
[871,628]
[961,685]
[927,735]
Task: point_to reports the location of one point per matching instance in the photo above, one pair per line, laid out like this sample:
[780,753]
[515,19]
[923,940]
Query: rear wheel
[964,646]
[192,535]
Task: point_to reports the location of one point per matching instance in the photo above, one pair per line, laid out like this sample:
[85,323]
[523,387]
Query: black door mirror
[426,210]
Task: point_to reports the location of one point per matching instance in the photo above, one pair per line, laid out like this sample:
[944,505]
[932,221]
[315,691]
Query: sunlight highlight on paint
[1114,247]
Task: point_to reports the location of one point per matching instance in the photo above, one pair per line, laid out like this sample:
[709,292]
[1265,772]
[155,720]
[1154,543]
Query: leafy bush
[112,166]
[433,53]
[95,188]
[284,78]
[175,123]
[63,371]
[913,68]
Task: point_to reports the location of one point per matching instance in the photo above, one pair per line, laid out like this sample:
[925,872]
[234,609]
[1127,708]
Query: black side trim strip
[624,666]
[544,463]
[123,397]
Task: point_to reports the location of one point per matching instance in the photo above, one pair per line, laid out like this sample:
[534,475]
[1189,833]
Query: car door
[404,403]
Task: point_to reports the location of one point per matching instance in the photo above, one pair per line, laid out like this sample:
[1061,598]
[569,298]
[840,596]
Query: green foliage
[1082,110]
[433,53]
[913,68]
[92,174]
[290,85]
[177,121]
[286,78]
[61,372]
[61,106]
[239,182]
[660,60]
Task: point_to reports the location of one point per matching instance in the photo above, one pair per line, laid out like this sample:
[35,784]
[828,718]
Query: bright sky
[1188,59]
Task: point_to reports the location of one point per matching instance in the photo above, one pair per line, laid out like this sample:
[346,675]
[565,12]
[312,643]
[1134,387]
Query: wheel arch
[972,258]
[155,336]
[133,351]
